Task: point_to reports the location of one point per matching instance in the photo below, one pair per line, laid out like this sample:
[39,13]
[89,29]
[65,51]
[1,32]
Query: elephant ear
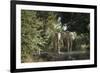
[73,35]
[59,36]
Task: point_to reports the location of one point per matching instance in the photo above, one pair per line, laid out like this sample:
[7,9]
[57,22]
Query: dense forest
[38,29]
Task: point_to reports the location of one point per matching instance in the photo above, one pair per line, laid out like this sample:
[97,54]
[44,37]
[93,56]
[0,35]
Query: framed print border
[13,35]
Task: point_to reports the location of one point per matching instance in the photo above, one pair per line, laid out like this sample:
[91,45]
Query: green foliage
[39,27]
[36,30]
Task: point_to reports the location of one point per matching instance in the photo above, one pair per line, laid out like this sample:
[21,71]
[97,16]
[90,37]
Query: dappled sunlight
[54,36]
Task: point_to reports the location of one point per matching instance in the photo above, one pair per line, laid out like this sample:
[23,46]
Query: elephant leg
[68,46]
[71,43]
